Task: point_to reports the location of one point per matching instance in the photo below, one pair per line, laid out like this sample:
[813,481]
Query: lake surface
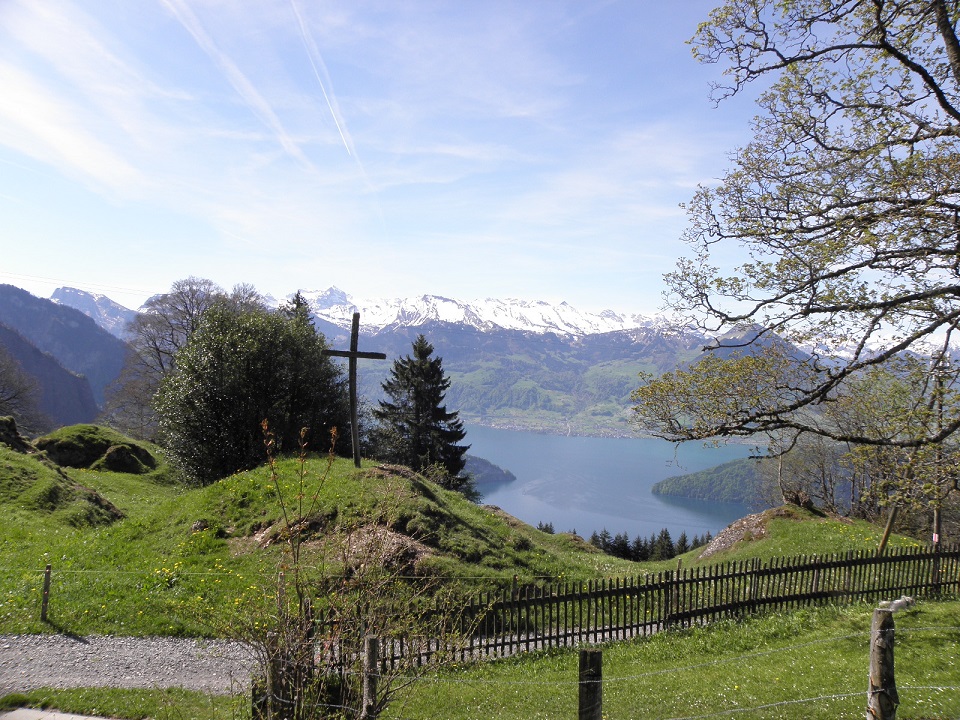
[588,484]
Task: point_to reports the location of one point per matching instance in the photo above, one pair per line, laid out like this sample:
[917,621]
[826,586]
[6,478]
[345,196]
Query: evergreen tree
[662,546]
[639,549]
[620,546]
[682,545]
[415,428]
[604,539]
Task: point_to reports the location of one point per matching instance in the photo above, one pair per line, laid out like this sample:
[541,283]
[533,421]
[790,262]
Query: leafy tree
[165,322]
[19,395]
[240,366]
[157,333]
[845,206]
[415,428]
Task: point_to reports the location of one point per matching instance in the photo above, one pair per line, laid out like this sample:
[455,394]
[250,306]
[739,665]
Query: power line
[98,287]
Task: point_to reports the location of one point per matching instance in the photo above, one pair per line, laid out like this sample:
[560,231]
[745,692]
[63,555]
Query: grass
[168,704]
[153,572]
[806,664]
[182,561]
[190,561]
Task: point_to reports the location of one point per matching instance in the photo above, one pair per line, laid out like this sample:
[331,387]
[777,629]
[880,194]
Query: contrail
[313,54]
[317,63]
[238,80]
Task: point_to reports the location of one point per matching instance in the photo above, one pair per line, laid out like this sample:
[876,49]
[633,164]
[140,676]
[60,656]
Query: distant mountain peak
[337,307]
[109,315]
[331,297]
[535,316]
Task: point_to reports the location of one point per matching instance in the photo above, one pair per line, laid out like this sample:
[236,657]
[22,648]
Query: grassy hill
[138,553]
[140,567]
[131,552]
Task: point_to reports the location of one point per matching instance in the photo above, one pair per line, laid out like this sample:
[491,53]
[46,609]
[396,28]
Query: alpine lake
[587,484]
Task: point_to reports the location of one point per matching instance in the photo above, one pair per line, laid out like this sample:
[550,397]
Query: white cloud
[44,125]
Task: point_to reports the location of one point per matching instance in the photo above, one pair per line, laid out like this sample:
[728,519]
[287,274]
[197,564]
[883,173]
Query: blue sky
[526,149]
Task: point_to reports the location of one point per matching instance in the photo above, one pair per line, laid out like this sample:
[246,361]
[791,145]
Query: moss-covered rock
[125,458]
[11,437]
[33,483]
[88,446]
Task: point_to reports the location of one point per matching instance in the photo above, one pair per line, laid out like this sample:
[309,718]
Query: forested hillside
[736,481]
[62,398]
[546,382]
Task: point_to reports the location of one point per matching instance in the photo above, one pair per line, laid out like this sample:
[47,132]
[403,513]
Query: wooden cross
[353,354]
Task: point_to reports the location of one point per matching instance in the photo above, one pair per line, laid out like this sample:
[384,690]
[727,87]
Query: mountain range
[512,363]
[78,343]
[335,307]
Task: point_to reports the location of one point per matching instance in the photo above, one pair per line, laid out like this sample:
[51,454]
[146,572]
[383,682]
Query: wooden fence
[542,616]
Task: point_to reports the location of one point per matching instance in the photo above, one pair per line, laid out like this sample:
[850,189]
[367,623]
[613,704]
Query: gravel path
[62,661]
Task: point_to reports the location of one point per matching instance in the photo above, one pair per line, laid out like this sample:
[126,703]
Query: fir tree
[415,428]
[662,546]
[639,549]
[620,546]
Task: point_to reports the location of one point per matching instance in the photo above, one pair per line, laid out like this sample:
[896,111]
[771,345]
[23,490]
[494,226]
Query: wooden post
[935,570]
[882,697]
[46,594]
[371,671]
[352,356]
[591,685]
[272,683]
[667,612]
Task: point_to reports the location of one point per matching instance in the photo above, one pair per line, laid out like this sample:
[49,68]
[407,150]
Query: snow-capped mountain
[109,315]
[337,307]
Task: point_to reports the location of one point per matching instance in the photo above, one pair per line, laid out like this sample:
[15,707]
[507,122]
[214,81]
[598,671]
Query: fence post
[882,697]
[371,671]
[46,594]
[667,599]
[591,687]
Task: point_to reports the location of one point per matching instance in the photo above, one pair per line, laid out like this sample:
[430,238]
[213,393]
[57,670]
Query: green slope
[135,553]
[736,481]
[171,553]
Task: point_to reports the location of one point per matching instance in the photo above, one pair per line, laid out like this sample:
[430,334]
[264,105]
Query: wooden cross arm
[356,354]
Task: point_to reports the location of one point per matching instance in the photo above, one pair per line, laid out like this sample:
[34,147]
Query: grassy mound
[96,447]
[30,484]
[791,530]
[181,560]
[184,559]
